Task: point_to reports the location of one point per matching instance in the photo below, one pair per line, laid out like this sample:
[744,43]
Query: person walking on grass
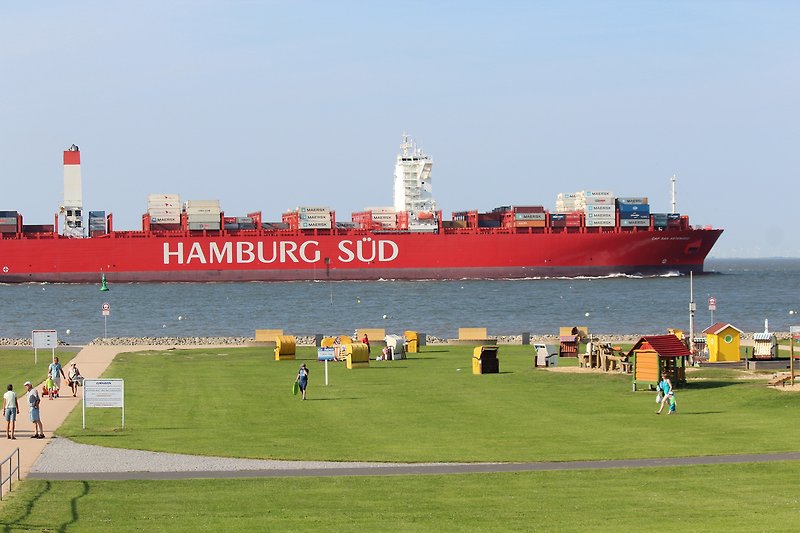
[56,372]
[10,410]
[302,379]
[667,395]
[33,405]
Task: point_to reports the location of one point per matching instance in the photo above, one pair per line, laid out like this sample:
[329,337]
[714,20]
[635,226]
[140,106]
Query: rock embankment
[308,340]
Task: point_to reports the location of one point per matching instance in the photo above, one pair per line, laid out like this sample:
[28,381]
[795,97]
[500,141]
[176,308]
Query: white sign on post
[44,338]
[103,393]
[712,304]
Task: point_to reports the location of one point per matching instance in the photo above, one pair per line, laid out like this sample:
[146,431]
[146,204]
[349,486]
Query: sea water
[746,291]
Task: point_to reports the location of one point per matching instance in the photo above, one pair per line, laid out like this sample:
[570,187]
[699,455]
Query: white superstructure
[412,186]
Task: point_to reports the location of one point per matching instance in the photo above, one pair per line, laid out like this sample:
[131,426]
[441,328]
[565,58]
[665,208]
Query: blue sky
[270,105]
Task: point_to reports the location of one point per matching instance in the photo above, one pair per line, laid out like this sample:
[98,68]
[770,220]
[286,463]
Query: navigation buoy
[103,286]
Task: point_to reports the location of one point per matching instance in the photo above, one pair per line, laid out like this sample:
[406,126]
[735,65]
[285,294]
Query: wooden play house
[655,355]
[723,342]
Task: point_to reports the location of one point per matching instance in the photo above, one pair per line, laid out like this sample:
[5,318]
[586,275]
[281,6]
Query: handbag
[659,396]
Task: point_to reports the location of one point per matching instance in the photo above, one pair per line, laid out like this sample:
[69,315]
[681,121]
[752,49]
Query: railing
[11,470]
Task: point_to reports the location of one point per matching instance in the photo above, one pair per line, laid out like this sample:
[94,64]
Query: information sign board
[45,338]
[103,393]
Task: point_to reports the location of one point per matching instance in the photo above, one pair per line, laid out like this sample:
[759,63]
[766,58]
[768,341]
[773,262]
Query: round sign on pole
[712,304]
[106,307]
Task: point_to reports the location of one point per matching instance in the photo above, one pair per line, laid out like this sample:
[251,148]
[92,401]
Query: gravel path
[100,463]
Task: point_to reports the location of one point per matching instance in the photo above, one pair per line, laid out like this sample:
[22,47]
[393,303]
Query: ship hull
[360,255]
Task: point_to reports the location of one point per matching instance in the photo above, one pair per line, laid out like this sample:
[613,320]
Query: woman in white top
[10,410]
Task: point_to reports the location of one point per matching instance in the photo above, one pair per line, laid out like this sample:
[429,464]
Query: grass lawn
[744,497]
[17,367]
[430,407]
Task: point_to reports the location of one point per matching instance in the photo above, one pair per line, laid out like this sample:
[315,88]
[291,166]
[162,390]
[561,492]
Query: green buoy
[103,286]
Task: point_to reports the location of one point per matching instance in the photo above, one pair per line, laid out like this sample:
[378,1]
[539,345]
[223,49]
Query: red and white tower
[72,208]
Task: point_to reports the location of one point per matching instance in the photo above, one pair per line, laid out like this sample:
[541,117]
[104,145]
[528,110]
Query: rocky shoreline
[308,340]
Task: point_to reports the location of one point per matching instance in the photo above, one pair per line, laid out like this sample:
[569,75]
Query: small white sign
[712,304]
[45,338]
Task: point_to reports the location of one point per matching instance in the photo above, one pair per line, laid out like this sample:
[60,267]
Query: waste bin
[484,360]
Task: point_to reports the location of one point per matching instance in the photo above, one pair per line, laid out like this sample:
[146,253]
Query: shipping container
[486,223]
[312,224]
[4,221]
[196,226]
[38,228]
[629,208]
[529,216]
[635,215]
[529,223]
[155,226]
[200,203]
[606,208]
[9,214]
[163,198]
[627,223]
[165,219]
[631,200]
[202,211]
[8,228]
[600,223]
[528,209]
[203,218]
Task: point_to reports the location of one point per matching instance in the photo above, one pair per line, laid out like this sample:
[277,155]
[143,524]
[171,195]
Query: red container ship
[590,233]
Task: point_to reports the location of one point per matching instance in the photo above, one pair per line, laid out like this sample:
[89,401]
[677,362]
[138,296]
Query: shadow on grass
[702,385]
[684,413]
[334,399]
[18,523]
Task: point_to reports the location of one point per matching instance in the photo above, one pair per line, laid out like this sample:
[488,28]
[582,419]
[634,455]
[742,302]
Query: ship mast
[674,203]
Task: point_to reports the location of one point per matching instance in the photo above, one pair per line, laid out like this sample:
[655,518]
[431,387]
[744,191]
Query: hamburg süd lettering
[364,250]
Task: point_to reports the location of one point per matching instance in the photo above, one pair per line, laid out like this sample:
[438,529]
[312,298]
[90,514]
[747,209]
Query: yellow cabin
[723,341]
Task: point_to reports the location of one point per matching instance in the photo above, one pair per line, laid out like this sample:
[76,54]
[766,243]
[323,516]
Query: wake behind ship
[589,233]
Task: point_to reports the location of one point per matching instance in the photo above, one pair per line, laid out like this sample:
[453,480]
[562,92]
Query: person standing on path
[33,405]
[666,392]
[56,372]
[302,379]
[73,377]
[10,410]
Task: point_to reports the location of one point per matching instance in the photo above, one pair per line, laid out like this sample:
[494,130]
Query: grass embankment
[238,402]
[17,367]
[743,497]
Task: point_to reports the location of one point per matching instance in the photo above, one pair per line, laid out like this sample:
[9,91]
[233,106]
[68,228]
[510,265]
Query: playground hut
[723,341]
[654,355]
